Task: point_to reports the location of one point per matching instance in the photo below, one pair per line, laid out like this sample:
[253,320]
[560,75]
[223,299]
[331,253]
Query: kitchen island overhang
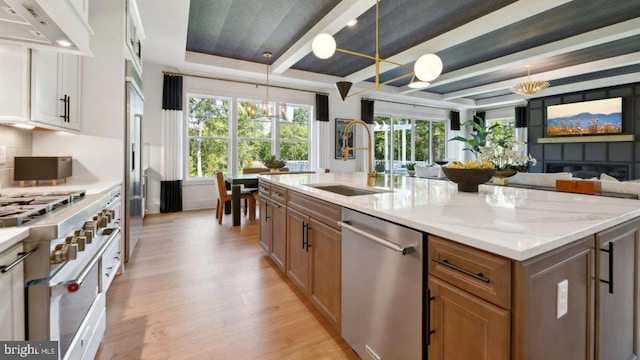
[512,222]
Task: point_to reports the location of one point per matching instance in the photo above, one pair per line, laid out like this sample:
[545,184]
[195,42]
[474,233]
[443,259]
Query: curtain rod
[242,82]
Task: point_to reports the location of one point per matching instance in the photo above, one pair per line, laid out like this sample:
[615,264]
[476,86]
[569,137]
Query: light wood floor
[198,290]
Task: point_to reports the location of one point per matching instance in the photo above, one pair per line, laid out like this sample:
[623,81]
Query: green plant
[478,136]
[380,167]
[273,162]
[411,166]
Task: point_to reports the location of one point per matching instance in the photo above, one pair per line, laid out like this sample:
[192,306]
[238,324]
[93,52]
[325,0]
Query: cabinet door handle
[266,211]
[21,258]
[478,276]
[428,311]
[67,110]
[610,281]
[307,236]
[304,226]
[64,100]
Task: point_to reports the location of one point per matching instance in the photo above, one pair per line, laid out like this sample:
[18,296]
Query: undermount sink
[347,190]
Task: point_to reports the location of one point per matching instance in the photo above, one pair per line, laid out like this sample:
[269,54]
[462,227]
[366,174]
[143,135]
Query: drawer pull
[21,257]
[478,276]
[610,281]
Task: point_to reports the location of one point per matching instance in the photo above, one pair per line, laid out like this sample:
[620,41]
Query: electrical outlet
[3,155]
[562,301]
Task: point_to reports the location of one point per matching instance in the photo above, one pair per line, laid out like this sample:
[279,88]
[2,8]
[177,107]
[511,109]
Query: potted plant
[380,167]
[478,136]
[411,168]
[273,163]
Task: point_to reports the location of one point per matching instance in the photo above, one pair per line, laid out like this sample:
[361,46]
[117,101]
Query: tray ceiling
[484,45]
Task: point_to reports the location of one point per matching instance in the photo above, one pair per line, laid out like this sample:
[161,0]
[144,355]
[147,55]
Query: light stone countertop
[513,222]
[11,236]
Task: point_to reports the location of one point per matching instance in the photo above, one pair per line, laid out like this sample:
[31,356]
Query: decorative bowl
[468,179]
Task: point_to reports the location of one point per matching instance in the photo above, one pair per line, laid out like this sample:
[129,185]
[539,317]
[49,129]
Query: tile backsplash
[18,143]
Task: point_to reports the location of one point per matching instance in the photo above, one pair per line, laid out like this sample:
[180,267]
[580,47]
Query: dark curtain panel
[521,117]
[480,114]
[170,196]
[366,111]
[172,92]
[322,107]
[454,116]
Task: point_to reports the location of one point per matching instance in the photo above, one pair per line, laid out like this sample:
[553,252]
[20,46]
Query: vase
[505,173]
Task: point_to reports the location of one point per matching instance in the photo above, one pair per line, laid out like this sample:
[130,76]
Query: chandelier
[265,107]
[529,87]
[427,68]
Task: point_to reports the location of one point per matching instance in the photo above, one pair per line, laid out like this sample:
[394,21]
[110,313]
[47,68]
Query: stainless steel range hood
[44,24]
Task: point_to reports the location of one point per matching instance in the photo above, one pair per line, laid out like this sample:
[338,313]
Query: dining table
[236,183]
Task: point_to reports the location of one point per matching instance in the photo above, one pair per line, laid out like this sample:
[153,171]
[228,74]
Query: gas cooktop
[21,209]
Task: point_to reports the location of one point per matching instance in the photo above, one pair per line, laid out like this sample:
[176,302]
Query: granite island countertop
[512,222]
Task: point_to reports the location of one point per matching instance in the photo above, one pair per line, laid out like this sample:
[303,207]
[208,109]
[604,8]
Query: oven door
[70,308]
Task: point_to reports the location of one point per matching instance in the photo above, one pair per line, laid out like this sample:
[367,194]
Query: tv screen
[594,117]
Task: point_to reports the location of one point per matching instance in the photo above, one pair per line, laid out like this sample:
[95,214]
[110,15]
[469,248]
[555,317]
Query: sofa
[608,183]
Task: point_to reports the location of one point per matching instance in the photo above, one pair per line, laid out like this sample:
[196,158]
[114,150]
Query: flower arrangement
[491,145]
[273,162]
[505,154]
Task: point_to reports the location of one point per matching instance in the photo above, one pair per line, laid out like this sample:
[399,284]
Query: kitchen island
[522,284]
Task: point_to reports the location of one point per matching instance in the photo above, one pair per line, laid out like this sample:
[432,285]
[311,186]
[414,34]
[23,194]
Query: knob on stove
[87,234]
[78,240]
[90,226]
[64,252]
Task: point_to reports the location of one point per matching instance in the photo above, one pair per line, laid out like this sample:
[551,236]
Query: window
[207,136]
[294,136]
[255,132]
[503,129]
[400,140]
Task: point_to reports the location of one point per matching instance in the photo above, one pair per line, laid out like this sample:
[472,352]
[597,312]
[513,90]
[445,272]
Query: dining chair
[224,195]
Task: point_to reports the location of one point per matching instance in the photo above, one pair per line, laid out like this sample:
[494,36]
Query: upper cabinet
[60,25]
[134,35]
[14,87]
[55,89]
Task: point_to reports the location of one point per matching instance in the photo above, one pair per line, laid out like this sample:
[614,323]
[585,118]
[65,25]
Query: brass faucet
[345,149]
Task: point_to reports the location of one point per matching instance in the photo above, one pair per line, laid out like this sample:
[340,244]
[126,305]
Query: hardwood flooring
[198,290]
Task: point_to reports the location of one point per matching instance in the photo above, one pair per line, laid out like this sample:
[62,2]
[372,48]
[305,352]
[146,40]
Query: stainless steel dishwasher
[382,287]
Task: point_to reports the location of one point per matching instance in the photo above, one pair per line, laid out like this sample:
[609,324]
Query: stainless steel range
[70,237]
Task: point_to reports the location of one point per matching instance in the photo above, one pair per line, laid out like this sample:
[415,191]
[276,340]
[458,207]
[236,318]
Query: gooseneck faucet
[345,149]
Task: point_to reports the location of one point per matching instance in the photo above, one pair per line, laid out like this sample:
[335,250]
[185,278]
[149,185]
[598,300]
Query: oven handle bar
[22,257]
[63,287]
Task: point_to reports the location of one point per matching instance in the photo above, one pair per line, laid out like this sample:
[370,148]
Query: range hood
[55,25]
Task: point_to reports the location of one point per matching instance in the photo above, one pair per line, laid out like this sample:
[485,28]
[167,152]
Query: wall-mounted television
[595,117]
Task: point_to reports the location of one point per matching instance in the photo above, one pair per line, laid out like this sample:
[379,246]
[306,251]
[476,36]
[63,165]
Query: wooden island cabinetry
[483,306]
[302,237]
[273,204]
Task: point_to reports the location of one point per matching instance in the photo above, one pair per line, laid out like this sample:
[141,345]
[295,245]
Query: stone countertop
[94,187]
[11,236]
[513,222]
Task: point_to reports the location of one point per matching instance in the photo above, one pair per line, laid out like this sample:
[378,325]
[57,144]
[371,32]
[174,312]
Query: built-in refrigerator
[134,201]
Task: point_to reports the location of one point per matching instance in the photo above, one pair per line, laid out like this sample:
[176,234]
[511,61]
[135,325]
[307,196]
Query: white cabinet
[134,35]
[55,89]
[82,8]
[14,86]
[12,290]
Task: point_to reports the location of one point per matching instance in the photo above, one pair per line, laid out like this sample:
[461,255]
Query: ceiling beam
[530,56]
[594,66]
[333,22]
[511,99]
[505,16]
